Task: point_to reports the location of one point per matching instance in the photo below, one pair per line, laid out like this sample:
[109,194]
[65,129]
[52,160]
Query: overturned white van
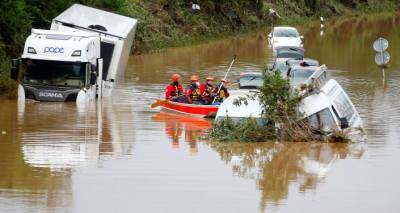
[328,108]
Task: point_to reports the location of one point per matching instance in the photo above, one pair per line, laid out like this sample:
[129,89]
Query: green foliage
[14,25]
[245,130]
[277,96]
[7,86]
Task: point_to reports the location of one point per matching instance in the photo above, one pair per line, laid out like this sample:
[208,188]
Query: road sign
[381,45]
[382,58]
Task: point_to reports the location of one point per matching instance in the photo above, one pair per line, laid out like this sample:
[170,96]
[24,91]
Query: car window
[282,67]
[299,76]
[291,33]
[343,106]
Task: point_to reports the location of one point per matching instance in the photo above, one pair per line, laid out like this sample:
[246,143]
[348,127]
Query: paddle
[226,74]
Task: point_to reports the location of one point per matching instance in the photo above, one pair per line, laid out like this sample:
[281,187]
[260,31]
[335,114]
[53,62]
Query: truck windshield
[55,73]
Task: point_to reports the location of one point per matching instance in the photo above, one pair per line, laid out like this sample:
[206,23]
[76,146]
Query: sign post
[382,57]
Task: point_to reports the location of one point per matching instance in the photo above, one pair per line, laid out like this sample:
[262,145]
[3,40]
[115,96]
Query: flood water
[123,156]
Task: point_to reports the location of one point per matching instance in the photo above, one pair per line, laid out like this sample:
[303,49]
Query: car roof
[289,52]
[250,74]
[298,66]
[307,61]
[284,28]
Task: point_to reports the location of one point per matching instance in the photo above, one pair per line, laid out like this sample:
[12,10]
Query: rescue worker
[207,90]
[223,92]
[193,95]
[174,91]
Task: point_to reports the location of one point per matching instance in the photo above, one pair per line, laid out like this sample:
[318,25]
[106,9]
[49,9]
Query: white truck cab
[78,59]
[58,65]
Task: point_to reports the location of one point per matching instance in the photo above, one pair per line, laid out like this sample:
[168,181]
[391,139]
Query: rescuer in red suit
[174,91]
[193,95]
[207,90]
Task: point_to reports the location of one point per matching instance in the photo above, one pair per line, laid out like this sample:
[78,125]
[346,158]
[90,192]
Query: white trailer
[78,59]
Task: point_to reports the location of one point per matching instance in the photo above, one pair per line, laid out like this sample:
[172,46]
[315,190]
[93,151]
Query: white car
[285,36]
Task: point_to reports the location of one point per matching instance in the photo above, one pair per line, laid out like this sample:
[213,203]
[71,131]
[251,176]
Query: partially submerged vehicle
[301,74]
[252,108]
[283,54]
[78,59]
[326,106]
[289,52]
[302,62]
[285,36]
[330,109]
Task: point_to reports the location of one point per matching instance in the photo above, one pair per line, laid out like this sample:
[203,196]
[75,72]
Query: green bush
[245,130]
[7,85]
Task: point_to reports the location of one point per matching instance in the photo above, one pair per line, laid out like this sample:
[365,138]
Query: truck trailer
[78,59]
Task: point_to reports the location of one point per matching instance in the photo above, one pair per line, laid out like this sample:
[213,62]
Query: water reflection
[276,166]
[175,125]
[22,184]
[84,135]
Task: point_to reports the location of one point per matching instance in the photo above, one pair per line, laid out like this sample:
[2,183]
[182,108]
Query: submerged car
[285,36]
[283,54]
[300,74]
[296,69]
[327,108]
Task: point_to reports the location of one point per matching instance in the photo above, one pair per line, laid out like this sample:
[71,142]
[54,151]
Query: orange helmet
[209,78]
[176,77]
[194,78]
[225,80]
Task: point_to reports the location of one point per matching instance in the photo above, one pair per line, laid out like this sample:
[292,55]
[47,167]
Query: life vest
[194,93]
[209,89]
[177,90]
[223,93]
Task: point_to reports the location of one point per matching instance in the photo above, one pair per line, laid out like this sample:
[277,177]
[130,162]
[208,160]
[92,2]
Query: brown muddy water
[122,156]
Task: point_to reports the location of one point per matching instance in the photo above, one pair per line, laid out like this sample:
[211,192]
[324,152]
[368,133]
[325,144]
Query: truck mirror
[93,78]
[344,123]
[14,68]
